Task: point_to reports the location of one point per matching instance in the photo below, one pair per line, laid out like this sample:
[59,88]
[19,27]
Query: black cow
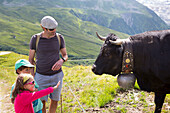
[151,61]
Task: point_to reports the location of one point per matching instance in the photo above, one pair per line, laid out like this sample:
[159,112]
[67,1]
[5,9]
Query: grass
[81,87]
[122,110]
[7,63]
[90,89]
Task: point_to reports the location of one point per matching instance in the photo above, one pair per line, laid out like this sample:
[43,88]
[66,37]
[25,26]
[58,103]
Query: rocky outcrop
[160,7]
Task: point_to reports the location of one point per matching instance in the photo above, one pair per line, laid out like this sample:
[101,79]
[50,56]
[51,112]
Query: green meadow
[82,89]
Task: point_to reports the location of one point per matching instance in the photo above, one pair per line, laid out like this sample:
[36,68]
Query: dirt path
[4,52]
[5,103]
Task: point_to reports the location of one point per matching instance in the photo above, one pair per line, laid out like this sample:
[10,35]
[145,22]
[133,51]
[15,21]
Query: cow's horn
[117,42]
[101,38]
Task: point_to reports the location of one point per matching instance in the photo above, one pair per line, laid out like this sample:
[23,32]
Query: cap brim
[29,65]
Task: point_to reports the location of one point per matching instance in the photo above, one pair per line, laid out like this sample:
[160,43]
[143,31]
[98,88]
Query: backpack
[38,38]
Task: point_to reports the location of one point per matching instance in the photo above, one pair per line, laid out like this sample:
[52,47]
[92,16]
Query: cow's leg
[159,100]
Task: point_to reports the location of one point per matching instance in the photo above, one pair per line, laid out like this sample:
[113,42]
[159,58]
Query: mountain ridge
[78,26]
[117,8]
[161,7]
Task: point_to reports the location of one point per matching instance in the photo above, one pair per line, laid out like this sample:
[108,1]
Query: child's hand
[36,89]
[55,87]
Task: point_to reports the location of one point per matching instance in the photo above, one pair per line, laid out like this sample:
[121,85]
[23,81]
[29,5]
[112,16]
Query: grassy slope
[23,22]
[91,90]
[82,81]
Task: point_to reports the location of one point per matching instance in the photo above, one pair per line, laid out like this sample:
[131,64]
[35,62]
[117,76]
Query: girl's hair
[22,79]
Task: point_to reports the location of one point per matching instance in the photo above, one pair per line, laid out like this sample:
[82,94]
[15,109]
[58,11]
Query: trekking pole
[61,102]
[76,98]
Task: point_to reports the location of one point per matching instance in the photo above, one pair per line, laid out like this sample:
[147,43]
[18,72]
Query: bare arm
[64,54]
[60,62]
[31,60]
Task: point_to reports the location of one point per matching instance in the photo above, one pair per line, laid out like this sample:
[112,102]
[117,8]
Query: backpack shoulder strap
[37,40]
[58,39]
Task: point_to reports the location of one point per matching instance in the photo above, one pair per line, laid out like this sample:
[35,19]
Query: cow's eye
[105,51]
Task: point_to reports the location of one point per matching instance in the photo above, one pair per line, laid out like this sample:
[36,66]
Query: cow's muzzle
[93,68]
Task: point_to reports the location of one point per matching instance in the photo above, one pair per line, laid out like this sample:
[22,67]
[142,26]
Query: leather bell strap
[127,62]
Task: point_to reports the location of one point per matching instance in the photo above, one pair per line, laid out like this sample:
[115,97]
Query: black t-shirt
[47,53]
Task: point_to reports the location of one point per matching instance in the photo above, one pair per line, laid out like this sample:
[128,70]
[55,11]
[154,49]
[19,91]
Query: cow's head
[110,58]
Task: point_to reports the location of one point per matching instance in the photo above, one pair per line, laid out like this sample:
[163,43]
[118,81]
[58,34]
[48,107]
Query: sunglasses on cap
[33,82]
[50,29]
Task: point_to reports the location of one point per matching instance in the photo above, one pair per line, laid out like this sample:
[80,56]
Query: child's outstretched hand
[55,87]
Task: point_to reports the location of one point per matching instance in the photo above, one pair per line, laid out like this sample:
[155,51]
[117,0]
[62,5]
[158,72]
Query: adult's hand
[57,65]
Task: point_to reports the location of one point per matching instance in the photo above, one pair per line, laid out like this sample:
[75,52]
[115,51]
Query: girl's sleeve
[30,97]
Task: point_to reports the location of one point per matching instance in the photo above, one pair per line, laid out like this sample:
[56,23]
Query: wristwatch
[63,59]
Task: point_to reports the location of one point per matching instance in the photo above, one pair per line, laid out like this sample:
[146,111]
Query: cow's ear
[117,42]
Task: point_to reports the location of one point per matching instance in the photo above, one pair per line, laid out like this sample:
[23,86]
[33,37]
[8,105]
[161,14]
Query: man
[48,61]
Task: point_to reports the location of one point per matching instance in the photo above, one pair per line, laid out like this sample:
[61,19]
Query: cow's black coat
[151,51]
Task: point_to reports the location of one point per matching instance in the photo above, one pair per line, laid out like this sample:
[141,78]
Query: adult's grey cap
[49,22]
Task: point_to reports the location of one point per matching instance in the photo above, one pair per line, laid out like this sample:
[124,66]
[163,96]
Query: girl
[24,94]
[24,66]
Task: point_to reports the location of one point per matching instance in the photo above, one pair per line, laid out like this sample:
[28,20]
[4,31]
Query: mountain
[78,21]
[160,7]
[127,16]
[18,24]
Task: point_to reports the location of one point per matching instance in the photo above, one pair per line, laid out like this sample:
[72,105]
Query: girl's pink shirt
[23,101]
